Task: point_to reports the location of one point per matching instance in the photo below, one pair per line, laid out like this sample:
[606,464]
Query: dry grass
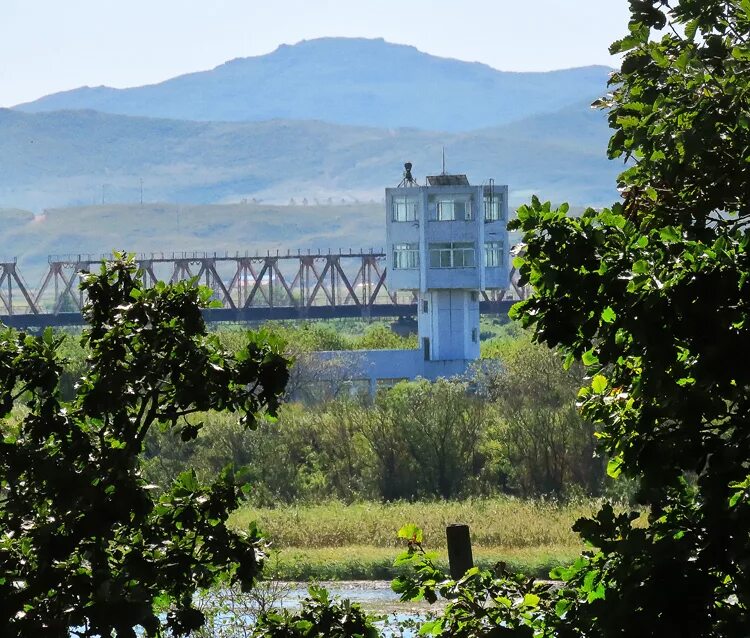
[334,541]
[500,523]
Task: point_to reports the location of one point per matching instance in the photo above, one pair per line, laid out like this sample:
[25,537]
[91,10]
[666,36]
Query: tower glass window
[404,209]
[405,256]
[452,209]
[493,254]
[452,255]
[493,207]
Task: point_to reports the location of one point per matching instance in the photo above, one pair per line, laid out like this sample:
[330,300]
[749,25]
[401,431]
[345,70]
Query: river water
[396,619]
[400,620]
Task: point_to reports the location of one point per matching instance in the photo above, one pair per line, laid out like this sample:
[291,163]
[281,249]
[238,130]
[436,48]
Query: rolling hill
[245,228]
[81,157]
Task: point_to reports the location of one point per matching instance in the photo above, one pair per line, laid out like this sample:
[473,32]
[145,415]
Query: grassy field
[337,541]
[364,562]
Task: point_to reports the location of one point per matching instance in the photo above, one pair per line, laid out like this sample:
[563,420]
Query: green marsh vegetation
[495,522]
[331,483]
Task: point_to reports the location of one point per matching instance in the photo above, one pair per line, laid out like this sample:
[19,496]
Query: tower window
[452,255]
[404,209]
[452,209]
[493,254]
[405,256]
[493,207]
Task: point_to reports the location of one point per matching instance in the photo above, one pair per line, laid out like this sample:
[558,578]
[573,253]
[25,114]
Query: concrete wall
[452,324]
[390,366]
[409,232]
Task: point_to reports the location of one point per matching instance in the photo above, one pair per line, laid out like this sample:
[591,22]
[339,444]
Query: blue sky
[53,45]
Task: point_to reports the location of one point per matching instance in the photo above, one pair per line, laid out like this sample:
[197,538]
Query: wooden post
[459,550]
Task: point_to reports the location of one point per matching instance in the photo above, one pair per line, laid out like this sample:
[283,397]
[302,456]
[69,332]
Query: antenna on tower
[408,179]
[443,173]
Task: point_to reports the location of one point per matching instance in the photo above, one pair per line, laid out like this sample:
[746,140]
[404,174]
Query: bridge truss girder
[298,285]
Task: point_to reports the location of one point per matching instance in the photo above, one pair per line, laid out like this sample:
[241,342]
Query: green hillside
[169,227]
[80,158]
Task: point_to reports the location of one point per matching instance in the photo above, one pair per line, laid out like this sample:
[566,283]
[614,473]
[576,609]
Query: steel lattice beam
[249,287]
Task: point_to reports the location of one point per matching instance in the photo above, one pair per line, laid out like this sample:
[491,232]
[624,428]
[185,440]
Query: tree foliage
[547,447]
[321,615]
[515,432]
[442,429]
[85,544]
[481,602]
[652,295]
[348,449]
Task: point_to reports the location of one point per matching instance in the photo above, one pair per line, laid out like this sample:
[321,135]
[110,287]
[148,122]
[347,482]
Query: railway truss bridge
[302,285]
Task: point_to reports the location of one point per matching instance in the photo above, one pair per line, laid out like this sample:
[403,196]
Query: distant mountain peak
[354,44]
[353,81]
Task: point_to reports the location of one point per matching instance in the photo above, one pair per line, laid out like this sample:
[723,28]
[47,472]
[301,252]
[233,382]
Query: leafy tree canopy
[653,295]
[85,545]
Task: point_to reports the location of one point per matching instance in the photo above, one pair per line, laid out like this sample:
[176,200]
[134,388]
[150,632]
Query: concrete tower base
[448,324]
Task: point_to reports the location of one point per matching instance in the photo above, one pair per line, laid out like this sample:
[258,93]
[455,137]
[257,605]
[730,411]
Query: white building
[448,242]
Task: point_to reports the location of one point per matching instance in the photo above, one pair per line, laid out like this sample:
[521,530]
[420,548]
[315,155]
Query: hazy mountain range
[326,120]
[346,81]
[82,157]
